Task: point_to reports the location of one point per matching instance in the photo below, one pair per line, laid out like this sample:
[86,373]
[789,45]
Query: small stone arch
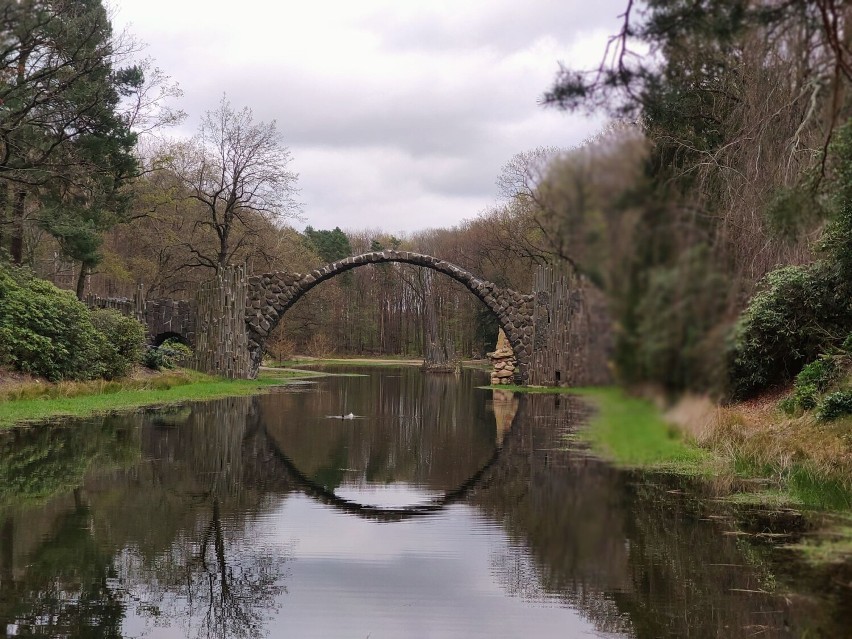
[157,340]
[271,295]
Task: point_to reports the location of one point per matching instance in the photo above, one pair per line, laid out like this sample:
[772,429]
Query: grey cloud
[505,25]
[467,105]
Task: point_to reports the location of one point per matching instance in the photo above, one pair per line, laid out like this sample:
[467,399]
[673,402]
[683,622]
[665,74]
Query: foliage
[41,462]
[731,174]
[679,306]
[122,343]
[835,405]
[801,312]
[804,310]
[45,331]
[791,212]
[64,139]
[811,382]
[332,245]
[168,355]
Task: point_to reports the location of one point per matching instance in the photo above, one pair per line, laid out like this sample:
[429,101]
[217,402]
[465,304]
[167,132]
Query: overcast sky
[399,113]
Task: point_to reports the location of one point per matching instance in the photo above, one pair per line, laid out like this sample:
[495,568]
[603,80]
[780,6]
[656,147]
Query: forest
[714,210]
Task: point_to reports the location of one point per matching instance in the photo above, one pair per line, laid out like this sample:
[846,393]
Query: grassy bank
[802,460]
[754,454]
[631,431]
[36,401]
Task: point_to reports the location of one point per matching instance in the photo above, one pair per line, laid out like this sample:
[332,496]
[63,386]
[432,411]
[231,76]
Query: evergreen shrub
[170,354]
[122,342]
[835,405]
[801,312]
[48,332]
[45,331]
[811,382]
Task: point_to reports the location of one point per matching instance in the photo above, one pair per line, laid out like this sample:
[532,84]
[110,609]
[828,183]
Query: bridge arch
[273,294]
[323,495]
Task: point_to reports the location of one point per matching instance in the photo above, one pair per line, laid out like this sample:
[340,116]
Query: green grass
[768,498]
[631,432]
[82,400]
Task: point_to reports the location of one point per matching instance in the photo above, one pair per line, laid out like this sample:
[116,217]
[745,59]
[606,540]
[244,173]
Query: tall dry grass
[757,433]
[38,389]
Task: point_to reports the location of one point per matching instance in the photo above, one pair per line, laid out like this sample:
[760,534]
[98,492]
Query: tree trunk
[16,247]
[4,212]
[81,280]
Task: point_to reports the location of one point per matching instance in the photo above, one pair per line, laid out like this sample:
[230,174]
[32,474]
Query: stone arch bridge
[559,332]
[271,295]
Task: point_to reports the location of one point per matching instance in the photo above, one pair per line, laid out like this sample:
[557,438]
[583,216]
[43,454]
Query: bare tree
[236,169]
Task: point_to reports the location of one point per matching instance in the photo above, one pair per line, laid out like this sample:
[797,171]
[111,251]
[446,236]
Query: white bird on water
[349,416]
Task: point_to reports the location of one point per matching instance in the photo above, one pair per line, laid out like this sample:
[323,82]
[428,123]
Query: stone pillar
[503,360]
[572,332]
[221,346]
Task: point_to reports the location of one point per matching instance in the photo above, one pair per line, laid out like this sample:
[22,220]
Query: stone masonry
[503,361]
[162,317]
[272,294]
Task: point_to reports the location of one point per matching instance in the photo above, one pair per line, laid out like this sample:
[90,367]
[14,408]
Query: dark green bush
[170,354]
[122,342]
[835,405]
[801,312]
[811,382]
[45,331]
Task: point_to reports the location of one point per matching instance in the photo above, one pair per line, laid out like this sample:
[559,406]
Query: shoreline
[726,456]
[25,400]
[699,438]
[34,402]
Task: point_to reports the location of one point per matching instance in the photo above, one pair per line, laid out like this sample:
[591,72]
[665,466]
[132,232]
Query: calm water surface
[438,510]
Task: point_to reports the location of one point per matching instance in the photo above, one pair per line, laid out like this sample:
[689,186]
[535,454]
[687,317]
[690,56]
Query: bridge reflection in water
[192,522]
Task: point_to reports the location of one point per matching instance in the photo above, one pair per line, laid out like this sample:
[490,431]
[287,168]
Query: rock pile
[503,360]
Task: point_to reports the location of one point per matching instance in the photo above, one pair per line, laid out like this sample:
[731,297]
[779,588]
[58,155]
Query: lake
[382,502]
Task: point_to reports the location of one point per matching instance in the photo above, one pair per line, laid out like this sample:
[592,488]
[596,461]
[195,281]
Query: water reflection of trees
[65,587]
[53,576]
[634,554]
[76,555]
[211,576]
[73,566]
[418,429]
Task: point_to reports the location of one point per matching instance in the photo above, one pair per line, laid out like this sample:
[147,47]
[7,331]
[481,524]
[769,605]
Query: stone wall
[222,345]
[160,316]
[572,332]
